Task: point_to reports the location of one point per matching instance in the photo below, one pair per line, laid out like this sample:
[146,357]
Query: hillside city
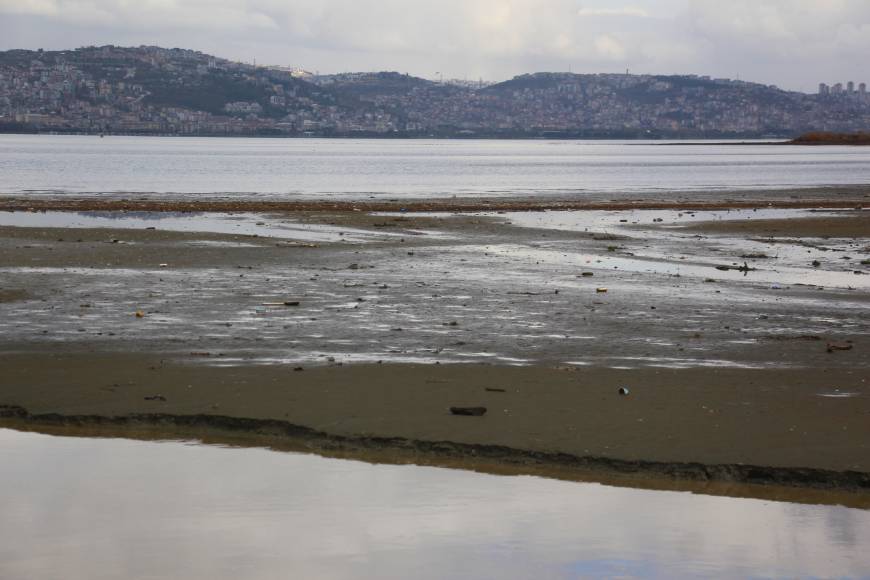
[153,90]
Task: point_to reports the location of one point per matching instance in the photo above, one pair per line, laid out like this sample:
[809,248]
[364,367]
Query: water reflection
[111,508]
[240,224]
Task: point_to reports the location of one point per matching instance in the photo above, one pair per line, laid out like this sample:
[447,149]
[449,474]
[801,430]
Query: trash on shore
[601,290]
[155,398]
[139,314]
[296,245]
[744,268]
[623,391]
[494,390]
[832,346]
[468,411]
[285,303]
[587,274]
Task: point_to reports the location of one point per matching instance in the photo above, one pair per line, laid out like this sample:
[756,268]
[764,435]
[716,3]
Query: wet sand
[853,225]
[850,196]
[724,417]
[731,378]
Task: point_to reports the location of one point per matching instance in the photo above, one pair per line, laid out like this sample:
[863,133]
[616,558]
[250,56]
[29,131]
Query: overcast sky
[792,43]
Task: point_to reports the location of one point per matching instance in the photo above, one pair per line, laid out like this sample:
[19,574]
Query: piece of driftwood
[468,411]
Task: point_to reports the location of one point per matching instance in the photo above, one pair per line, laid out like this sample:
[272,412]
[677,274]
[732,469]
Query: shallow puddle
[114,508]
[243,224]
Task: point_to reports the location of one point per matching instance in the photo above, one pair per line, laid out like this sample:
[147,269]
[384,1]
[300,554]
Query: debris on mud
[832,346]
[468,411]
[744,268]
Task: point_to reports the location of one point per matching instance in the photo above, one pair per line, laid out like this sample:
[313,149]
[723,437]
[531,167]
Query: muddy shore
[850,198]
[360,340]
[725,425]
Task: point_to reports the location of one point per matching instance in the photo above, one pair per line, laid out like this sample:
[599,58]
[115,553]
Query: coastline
[847,197]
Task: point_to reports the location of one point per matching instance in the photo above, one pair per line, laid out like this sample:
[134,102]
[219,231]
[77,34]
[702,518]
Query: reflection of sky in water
[92,508]
[245,224]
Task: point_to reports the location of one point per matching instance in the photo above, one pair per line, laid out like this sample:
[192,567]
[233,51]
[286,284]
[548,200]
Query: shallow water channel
[114,508]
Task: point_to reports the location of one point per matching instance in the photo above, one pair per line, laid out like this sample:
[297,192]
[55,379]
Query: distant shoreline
[844,139]
[446,136]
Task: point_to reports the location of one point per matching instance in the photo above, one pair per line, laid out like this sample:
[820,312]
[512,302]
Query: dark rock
[468,411]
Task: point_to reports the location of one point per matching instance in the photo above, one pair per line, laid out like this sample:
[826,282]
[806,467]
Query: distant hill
[154,90]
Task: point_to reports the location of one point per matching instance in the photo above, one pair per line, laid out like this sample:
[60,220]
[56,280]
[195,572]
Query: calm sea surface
[347,168]
[110,508]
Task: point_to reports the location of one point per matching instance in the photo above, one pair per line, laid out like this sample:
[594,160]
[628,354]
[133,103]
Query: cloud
[609,48]
[145,14]
[633,11]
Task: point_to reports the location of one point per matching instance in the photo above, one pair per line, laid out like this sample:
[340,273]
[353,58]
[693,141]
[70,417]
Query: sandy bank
[851,225]
[805,427]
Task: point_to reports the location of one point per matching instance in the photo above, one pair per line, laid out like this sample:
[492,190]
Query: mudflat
[741,334]
[779,418]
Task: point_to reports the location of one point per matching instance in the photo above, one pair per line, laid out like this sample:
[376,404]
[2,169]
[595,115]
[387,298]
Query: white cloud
[609,48]
[626,11]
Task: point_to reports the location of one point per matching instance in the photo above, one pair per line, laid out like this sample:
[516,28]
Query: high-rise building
[824,89]
[862,88]
[850,87]
[837,88]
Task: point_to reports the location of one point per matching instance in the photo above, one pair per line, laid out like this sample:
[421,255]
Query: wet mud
[758,309]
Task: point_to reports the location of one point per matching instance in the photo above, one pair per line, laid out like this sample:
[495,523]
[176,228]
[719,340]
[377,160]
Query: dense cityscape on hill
[153,90]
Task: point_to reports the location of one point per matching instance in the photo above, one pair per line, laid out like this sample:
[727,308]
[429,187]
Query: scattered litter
[468,411]
[495,390]
[623,391]
[285,303]
[296,245]
[155,398]
[816,263]
[298,369]
[837,395]
[744,268]
[601,290]
[140,314]
[587,274]
[832,346]
[163,265]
